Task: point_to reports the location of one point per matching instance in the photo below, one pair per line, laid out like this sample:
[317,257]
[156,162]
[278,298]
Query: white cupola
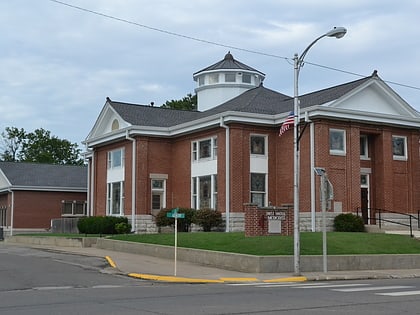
[223,81]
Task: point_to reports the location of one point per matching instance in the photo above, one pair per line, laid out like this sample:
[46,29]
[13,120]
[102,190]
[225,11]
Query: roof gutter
[133,181]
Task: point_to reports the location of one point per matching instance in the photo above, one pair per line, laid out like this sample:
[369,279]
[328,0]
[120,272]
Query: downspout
[312,162]
[227,173]
[133,182]
[92,184]
[12,211]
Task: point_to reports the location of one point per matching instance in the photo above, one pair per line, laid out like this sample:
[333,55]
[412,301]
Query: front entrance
[364,193]
[364,199]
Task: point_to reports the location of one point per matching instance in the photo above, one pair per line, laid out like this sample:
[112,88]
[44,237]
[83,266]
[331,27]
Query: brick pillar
[255,221]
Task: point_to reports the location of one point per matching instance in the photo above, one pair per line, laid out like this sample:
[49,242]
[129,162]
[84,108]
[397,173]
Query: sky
[59,62]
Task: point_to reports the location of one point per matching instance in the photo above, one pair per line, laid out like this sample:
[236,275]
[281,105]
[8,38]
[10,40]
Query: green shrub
[207,219]
[123,228]
[348,222]
[100,224]
[184,224]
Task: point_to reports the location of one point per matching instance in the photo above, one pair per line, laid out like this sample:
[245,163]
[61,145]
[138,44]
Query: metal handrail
[380,219]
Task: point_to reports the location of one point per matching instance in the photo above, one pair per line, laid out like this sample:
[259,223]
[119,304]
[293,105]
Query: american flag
[290,120]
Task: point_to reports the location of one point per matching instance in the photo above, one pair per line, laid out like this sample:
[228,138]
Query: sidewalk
[158,269]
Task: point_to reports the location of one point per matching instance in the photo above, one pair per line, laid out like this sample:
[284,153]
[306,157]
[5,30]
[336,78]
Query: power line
[289,60]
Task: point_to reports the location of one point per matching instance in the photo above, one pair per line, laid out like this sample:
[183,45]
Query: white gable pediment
[375,97]
[108,122]
[4,182]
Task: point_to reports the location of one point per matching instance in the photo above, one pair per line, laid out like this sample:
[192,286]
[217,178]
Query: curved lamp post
[336,32]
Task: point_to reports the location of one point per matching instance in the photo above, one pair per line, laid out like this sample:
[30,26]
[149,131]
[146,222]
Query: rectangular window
[204,149]
[116,198]
[399,147]
[337,142]
[73,208]
[213,78]
[258,189]
[204,192]
[116,159]
[201,81]
[364,153]
[246,78]
[214,148]
[158,194]
[194,200]
[258,145]
[230,77]
[214,192]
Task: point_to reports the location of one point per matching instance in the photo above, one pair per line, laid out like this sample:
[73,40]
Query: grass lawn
[339,243]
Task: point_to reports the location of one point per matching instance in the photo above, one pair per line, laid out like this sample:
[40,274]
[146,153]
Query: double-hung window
[158,193]
[116,159]
[115,204]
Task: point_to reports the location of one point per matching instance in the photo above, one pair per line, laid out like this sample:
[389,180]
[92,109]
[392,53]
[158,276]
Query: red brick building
[229,152]
[32,194]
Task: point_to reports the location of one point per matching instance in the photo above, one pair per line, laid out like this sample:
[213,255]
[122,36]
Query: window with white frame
[364,147]
[204,192]
[73,208]
[258,189]
[337,142]
[204,149]
[399,147]
[116,159]
[258,144]
[115,204]
[201,80]
[158,194]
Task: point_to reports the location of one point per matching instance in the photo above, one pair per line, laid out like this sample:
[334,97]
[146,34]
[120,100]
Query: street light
[336,32]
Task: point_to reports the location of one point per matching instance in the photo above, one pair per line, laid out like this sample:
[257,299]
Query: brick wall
[34,209]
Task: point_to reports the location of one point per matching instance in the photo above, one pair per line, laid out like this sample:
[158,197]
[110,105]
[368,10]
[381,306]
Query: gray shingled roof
[45,175]
[229,63]
[259,100]
[142,115]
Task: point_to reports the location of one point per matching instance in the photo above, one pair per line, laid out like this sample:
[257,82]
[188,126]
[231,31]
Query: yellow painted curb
[289,279]
[111,262]
[172,278]
[238,279]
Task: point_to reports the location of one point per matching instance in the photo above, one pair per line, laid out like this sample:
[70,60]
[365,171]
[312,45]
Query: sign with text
[276,215]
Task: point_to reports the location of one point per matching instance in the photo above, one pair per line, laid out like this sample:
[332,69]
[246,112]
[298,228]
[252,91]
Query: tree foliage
[188,102]
[38,146]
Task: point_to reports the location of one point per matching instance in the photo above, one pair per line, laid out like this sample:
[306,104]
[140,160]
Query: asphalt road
[36,281]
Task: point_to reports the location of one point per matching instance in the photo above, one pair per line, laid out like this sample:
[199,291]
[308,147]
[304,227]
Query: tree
[39,147]
[12,141]
[189,102]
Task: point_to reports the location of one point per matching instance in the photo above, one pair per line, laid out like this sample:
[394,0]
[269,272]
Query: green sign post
[174,214]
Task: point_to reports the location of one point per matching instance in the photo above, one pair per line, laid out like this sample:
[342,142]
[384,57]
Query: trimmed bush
[123,228]
[184,225]
[100,225]
[208,219]
[348,222]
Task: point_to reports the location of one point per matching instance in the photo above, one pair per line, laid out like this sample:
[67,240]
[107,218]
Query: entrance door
[364,193]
